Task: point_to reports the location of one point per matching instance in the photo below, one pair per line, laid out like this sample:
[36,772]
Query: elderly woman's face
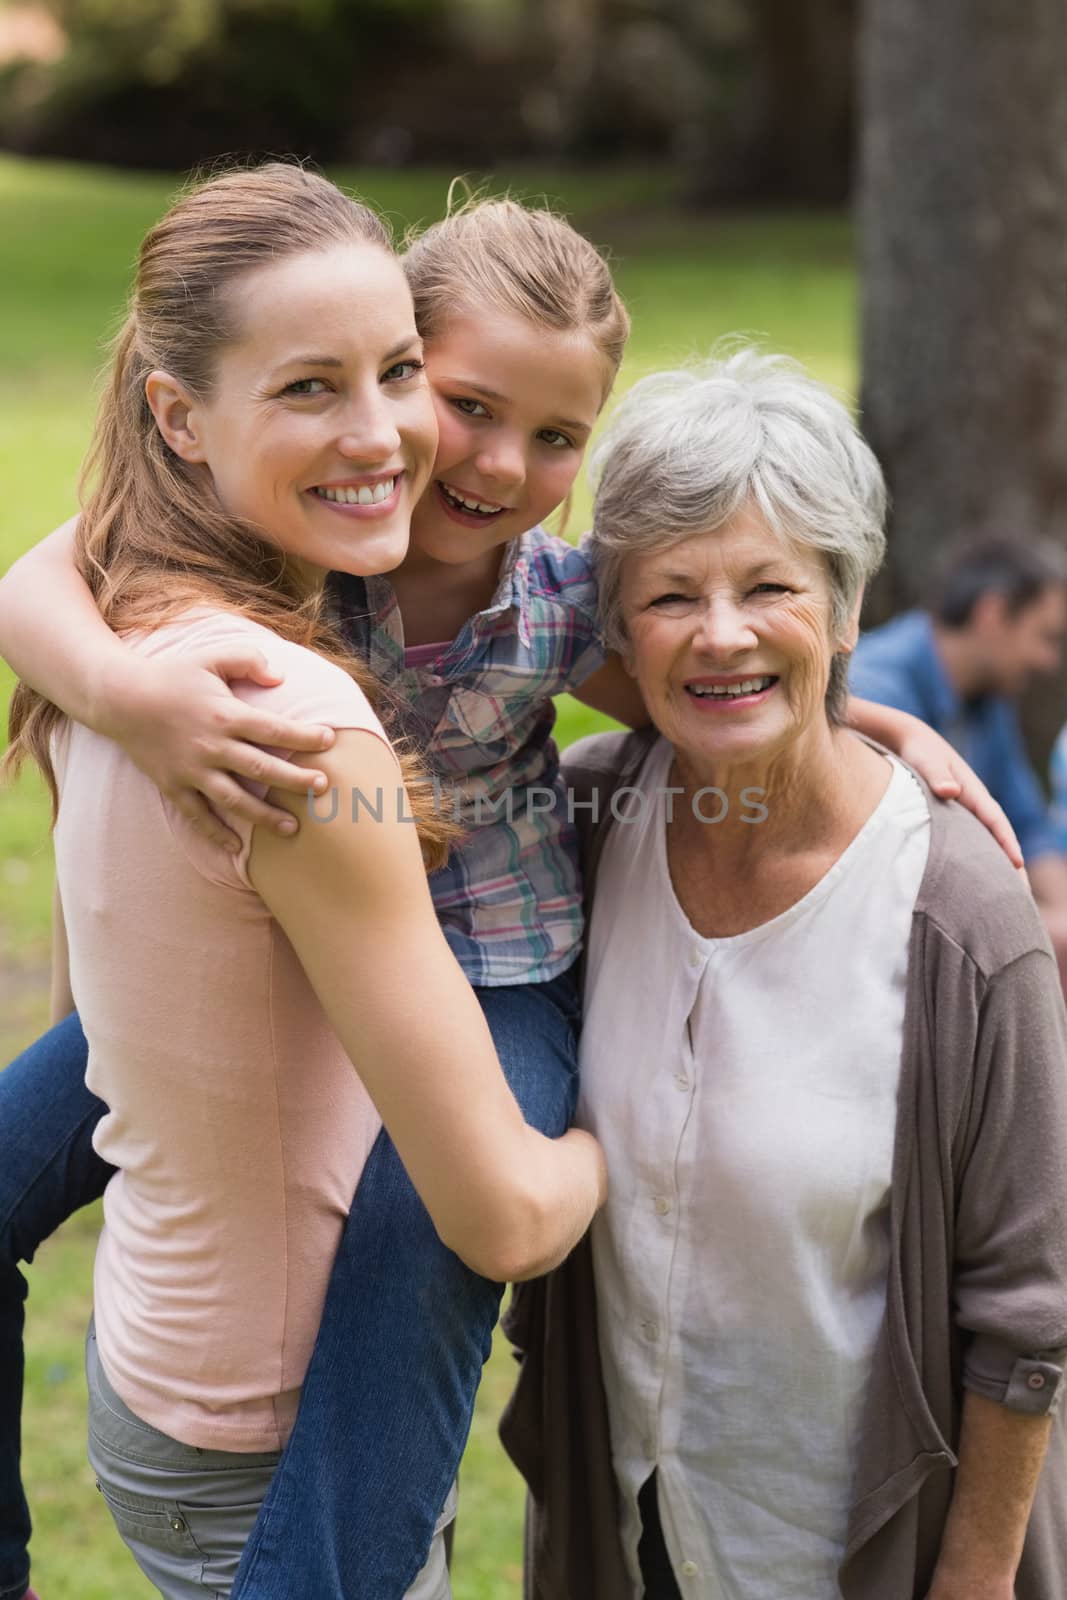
[730,639]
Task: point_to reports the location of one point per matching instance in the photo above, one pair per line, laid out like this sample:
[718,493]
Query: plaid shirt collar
[512,593]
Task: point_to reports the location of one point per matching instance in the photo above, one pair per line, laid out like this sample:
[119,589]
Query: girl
[225,996]
[484,620]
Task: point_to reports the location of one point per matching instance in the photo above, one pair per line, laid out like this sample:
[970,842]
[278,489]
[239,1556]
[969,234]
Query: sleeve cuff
[1030,1384]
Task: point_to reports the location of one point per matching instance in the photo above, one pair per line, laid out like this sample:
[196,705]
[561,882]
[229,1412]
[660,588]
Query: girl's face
[320,426]
[515,407]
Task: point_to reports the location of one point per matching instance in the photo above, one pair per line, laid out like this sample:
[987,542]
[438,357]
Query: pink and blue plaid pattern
[509,898]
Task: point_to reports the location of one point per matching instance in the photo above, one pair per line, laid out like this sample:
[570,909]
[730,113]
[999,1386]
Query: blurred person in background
[997,620]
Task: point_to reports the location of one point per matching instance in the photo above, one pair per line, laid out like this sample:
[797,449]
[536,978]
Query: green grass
[68,236]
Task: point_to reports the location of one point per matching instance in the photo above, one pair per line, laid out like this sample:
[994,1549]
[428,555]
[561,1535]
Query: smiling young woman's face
[320,426]
[515,407]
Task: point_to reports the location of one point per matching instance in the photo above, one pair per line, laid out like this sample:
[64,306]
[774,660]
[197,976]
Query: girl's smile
[464,509]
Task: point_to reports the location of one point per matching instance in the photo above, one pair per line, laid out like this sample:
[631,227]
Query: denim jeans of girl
[406,1328]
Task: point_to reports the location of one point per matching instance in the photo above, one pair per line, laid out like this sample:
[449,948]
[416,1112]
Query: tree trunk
[963,214]
[778,112]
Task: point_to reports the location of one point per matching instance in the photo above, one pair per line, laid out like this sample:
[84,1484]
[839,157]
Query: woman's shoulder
[594,770]
[206,627]
[602,758]
[973,895]
[312,687]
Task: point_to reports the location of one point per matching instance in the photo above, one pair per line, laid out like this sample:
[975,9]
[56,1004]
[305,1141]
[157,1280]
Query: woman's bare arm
[177,720]
[353,900]
[1000,1458]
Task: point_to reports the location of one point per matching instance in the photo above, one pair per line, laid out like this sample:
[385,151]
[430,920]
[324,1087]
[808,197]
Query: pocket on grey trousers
[145,1519]
[184,1513]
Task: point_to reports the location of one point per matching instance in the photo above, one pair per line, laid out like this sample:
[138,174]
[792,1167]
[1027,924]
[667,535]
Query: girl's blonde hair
[153,538]
[519,259]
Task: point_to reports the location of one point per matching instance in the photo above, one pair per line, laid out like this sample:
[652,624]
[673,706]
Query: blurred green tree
[171,82]
[749,97]
[752,97]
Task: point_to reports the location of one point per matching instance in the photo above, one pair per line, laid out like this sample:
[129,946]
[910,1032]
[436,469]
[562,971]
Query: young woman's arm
[934,759]
[353,899]
[176,720]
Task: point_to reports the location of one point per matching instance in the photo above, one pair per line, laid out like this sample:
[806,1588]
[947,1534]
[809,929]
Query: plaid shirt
[509,898]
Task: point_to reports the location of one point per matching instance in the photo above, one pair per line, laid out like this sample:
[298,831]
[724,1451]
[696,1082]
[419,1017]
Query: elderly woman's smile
[723,691]
[729,636]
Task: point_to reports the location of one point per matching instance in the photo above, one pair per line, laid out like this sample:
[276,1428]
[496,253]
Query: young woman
[226,997]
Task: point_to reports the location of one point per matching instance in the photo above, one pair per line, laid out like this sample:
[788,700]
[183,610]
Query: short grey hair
[686,451]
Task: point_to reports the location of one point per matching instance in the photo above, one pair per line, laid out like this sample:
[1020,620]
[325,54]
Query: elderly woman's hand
[942,767]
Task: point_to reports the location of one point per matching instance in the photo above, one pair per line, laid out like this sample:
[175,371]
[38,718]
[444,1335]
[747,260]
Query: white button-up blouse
[744,1090]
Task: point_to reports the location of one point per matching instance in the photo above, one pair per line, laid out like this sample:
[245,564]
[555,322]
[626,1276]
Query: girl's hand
[951,778]
[938,763]
[185,729]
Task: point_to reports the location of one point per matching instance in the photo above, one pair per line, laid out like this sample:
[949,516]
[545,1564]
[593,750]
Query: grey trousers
[186,1514]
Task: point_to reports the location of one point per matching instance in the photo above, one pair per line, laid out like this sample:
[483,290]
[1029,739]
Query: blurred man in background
[998,618]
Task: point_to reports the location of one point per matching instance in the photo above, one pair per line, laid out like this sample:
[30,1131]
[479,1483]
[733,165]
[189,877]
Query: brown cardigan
[977,1293]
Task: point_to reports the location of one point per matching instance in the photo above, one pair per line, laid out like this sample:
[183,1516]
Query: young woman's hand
[180,723]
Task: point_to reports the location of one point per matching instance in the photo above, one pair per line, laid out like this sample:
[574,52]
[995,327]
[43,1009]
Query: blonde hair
[153,538]
[518,259]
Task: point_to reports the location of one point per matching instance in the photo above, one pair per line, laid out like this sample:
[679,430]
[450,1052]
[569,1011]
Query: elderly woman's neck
[769,828]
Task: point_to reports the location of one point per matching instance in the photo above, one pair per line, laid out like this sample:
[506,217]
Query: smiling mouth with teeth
[729,691]
[474,508]
[366,495]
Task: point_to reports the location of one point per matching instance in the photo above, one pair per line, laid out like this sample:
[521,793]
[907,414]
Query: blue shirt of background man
[898,665]
[1058,778]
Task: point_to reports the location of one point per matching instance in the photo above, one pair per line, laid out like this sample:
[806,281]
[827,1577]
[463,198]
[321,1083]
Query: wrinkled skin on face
[734,608]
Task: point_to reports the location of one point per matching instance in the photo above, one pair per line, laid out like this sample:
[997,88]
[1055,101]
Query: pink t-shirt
[237,1122]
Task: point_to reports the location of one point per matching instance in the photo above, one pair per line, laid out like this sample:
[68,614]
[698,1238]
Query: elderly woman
[825,1054]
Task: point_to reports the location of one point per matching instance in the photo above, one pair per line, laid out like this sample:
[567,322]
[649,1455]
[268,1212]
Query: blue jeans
[48,1169]
[387,1402]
